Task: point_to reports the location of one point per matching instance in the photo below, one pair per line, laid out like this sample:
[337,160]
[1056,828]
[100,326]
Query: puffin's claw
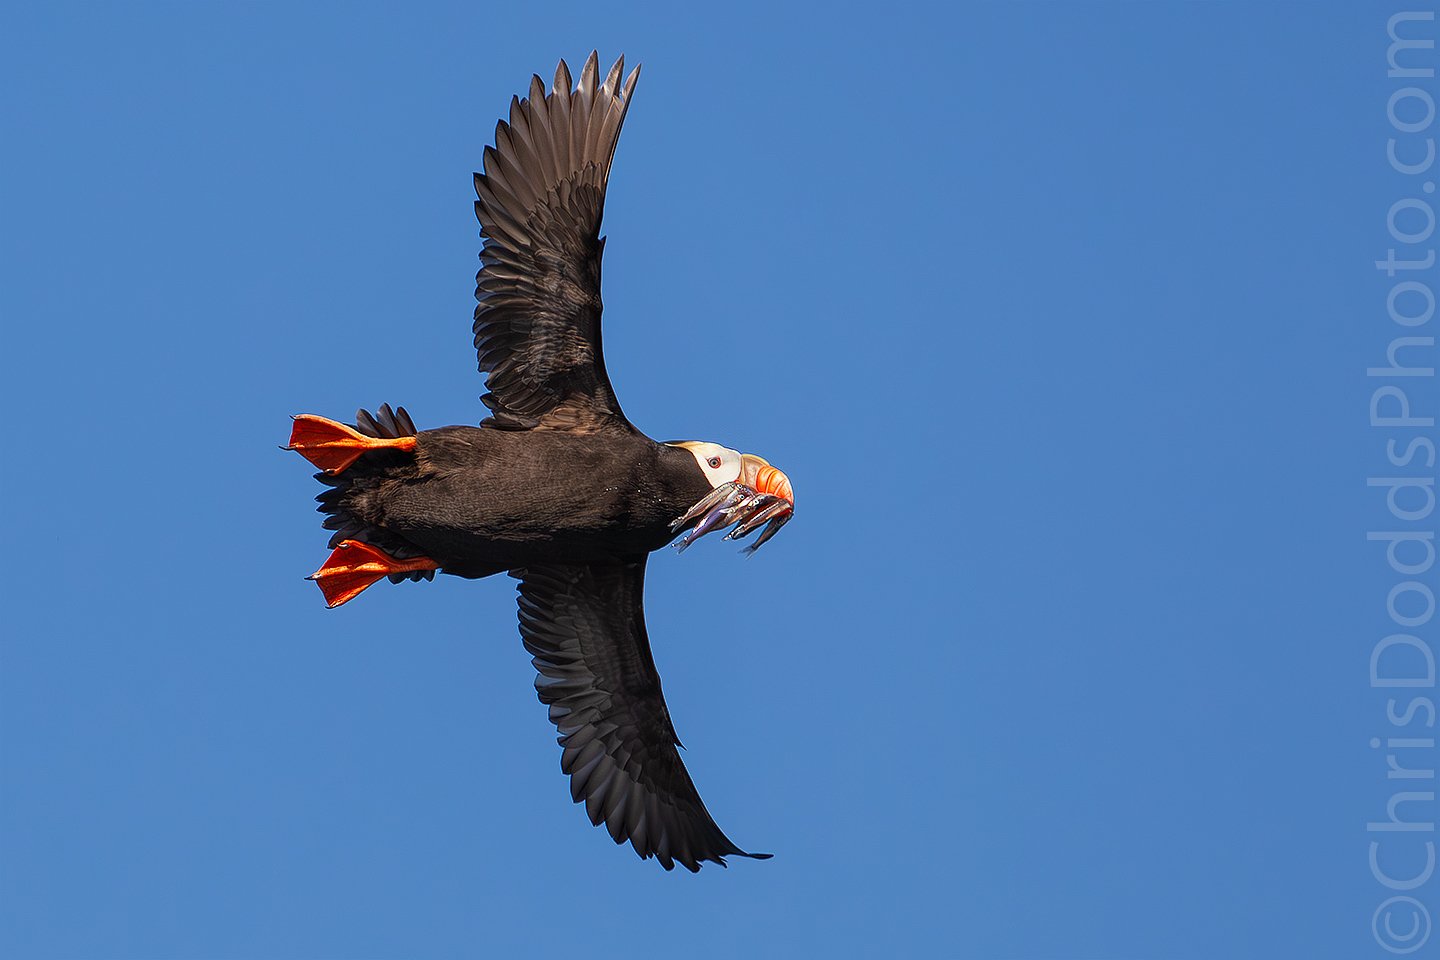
[332,446]
[354,565]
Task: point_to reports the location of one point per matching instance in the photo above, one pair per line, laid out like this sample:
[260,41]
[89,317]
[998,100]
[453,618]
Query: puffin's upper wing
[537,326]
[585,627]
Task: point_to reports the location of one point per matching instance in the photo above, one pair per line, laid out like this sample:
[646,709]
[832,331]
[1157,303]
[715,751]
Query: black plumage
[555,486]
[585,627]
[541,199]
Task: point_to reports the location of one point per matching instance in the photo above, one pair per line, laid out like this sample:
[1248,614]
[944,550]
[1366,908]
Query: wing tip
[589,79]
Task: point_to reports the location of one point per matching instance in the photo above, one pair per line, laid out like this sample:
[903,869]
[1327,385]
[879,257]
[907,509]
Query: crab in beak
[759,496]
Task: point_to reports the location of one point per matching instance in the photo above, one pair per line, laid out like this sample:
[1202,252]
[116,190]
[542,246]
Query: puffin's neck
[680,477]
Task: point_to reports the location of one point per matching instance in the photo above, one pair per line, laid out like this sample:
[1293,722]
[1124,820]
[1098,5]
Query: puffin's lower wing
[585,627]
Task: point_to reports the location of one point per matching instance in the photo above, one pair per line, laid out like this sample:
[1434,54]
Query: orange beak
[757,474]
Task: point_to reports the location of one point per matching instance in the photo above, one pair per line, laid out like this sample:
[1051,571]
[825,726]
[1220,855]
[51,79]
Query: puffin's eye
[714,463]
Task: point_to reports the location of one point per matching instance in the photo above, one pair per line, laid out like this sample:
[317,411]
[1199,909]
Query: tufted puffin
[555,486]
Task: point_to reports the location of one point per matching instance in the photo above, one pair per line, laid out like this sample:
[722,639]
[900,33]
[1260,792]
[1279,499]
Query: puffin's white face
[720,464]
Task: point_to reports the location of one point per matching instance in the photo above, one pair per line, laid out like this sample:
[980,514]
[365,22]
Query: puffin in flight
[555,487]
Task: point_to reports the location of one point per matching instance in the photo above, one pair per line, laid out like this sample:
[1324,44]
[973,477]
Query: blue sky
[1057,316]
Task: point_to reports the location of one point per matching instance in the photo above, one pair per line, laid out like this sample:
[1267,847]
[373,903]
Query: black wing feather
[540,201]
[585,628]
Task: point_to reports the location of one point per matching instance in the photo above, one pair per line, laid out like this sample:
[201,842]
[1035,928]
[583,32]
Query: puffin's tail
[389,431]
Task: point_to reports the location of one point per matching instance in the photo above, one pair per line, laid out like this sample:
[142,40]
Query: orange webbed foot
[332,446]
[355,565]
